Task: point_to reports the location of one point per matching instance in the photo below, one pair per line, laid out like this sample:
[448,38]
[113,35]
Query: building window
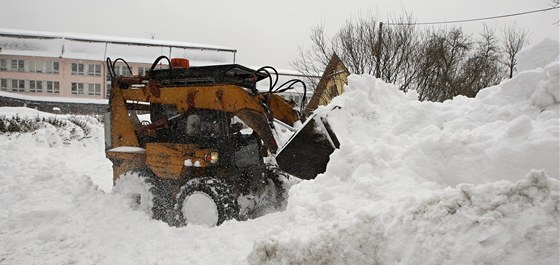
[90,89]
[18,85]
[94,89]
[125,71]
[31,66]
[32,86]
[77,88]
[52,67]
[85,69]
[141,70]
[117,70]
[3,65]
[122,70]
[78,69]
[3,84]
[40,67]
[94,69]
[55,68]
[35,86]
[18,65]
[108,91]
[81,69]
[39,86]
[53,87]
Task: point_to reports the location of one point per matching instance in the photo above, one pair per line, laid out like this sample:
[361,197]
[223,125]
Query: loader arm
[280,108]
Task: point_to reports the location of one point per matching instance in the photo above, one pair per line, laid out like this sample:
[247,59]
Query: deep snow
[466,181]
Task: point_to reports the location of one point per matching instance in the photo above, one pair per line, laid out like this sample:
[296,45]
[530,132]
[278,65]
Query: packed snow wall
[466,181]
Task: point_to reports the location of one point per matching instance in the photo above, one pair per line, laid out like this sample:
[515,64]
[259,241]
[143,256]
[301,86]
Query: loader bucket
[307,152]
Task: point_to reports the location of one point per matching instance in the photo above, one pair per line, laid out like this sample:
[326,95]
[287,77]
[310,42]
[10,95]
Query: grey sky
[264,32]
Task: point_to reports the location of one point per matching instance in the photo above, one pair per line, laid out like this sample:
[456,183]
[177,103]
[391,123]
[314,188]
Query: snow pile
[538,55]
[467,181]
[75,141]
[432,183]
[495,223]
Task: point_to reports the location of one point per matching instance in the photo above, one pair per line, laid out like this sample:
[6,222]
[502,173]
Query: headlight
[212,157]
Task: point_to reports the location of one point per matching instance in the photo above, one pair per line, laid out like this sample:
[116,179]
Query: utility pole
[379,47]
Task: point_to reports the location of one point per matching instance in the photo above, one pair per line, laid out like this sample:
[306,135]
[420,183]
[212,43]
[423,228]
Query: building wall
[335,85]
[74,78]
[7,74]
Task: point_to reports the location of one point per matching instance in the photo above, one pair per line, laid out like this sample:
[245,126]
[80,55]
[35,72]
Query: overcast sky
[264,32]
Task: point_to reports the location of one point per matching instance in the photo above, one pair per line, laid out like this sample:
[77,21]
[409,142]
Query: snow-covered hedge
[65,127]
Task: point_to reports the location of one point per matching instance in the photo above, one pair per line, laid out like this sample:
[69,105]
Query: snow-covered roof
[54,99]
[108,39]
[98,47]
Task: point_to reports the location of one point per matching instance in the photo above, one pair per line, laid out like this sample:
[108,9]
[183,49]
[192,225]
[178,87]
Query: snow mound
[466,181]
[538,55]
[494,223]
[75,141]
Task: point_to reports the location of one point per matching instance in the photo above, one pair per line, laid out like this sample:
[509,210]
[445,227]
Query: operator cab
[203,127]
[237,143]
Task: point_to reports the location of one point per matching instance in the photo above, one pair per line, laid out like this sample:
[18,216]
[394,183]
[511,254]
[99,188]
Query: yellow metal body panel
[228,98]
[125,161]
[122,129]
[167,160]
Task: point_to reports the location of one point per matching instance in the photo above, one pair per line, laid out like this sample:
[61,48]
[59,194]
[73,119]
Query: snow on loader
[207,153]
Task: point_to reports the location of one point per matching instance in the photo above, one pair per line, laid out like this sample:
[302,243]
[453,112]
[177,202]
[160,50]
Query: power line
[473,19]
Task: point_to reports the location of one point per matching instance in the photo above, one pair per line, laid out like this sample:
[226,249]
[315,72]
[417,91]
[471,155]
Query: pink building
[63,67]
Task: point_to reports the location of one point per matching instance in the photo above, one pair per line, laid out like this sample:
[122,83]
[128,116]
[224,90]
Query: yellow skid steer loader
[207,153]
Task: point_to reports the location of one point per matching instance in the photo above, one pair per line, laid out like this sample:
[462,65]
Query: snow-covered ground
[467,181]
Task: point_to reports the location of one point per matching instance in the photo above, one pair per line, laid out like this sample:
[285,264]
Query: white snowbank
[494,223]
[23,112]
[432,183]
[467,181]
[538,55]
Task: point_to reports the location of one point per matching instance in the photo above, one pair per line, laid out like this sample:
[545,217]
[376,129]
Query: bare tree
[399,52]
[439,66]
[439,63]
[555,3]
[482,69]
[353,43]
[313,61]
[513,41]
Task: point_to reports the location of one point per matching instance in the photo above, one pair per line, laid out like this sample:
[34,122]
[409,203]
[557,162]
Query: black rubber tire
[163,200]
[214,188]
[143,181]
[280,180]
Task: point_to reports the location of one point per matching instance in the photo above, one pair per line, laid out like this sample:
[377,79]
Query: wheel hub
[200,208]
